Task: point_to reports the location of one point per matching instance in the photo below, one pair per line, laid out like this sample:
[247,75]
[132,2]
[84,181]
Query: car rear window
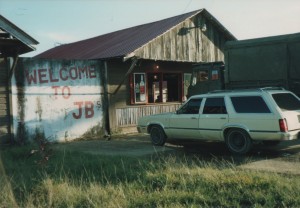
[286,101]
[249,104]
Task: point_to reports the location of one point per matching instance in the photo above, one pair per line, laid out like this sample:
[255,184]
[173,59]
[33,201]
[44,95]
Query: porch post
[105,102]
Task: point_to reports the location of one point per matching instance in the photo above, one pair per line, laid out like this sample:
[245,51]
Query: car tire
[238,141]
[157,135]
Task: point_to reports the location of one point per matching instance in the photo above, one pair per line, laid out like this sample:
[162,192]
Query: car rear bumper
[281,136]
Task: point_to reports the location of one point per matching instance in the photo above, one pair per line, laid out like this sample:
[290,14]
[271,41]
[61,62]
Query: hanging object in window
[142,90]
[139,88]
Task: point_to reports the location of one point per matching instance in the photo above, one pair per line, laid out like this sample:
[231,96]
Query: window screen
[214,106]
[287,101]
[250,104]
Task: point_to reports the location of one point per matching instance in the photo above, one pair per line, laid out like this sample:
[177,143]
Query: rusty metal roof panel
[118,43]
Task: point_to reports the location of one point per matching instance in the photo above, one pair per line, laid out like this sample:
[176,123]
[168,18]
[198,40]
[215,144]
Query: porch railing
[129,115]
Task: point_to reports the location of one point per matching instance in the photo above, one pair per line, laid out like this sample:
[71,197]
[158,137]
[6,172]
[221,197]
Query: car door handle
[193,118]
[223,118]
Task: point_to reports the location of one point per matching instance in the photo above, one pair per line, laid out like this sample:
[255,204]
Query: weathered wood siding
[4,103]
[187,42]
[129,116]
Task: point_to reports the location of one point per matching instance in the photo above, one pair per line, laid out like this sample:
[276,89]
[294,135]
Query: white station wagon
[237,117]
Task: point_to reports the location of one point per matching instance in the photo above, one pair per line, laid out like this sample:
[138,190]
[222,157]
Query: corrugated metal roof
[120,43]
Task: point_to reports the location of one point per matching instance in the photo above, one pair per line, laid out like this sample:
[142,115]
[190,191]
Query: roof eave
[17,33]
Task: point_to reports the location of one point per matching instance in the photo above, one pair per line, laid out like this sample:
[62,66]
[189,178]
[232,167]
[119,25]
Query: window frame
[187,104]
[132,85]
[224,110]
[244,96]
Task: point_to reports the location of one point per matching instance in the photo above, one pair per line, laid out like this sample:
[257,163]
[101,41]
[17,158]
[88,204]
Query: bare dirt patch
[121,145]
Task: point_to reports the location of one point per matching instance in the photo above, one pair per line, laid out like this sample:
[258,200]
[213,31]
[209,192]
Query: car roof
[252,91]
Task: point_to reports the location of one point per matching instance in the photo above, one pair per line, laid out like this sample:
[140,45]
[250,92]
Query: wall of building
[4,103]
[57,100]
[189,41]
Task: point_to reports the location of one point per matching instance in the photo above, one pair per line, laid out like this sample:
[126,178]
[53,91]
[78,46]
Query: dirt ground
[283,158]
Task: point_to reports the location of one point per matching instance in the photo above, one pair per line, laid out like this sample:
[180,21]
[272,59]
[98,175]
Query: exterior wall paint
[58,100]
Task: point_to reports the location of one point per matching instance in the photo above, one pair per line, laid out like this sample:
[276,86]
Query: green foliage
[74,179]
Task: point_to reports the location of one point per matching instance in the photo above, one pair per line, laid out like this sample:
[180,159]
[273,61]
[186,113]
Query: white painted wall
[57,98]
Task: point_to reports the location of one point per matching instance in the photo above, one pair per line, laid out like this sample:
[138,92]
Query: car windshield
[287,101]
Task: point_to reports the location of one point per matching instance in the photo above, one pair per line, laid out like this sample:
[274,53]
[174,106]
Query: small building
[13,42]
[148,67]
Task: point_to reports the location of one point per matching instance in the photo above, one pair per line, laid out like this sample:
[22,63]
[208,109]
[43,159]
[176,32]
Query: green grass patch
[74,179]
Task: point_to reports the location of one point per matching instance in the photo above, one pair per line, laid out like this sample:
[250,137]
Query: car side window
[191,107]
[249,104]
[214,106]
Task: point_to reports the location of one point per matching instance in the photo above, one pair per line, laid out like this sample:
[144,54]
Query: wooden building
[147,67]
[13,42]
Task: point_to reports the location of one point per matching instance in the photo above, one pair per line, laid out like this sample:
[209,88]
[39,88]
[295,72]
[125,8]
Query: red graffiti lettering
[31,78]
[42,75]
[61,74]
[65,92]
[66,88]
[55,90]
[92,72]
[88,107]
[83,71]
[51,76]
[73,73]
[78,116]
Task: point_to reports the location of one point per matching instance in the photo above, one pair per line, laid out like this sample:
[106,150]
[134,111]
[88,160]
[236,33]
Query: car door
[185,123]
[213,118]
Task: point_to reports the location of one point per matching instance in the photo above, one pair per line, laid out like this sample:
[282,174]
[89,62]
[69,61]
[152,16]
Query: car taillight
[283,125]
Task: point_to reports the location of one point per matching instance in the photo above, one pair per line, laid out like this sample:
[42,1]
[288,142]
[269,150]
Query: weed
[74,179]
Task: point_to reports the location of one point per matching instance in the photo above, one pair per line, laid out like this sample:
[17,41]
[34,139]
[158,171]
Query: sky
[55,22]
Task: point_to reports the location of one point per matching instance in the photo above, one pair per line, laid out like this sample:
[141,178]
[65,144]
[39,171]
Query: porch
[127,117]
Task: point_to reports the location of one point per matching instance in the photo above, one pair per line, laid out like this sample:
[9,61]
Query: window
[202,76]
[156,87]
[250,104]
[191,107]
[214,106]
[287,101]
[186,83]
[214,74]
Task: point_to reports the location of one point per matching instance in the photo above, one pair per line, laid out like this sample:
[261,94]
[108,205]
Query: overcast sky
[54,22]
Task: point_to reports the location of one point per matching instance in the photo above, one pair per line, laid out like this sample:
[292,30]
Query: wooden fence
[129,115]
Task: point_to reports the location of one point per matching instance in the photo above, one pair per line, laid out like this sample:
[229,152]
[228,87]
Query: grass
[74,179]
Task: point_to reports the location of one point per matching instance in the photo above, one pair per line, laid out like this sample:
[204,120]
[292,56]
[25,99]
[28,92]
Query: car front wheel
[238,141]
[157,135]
